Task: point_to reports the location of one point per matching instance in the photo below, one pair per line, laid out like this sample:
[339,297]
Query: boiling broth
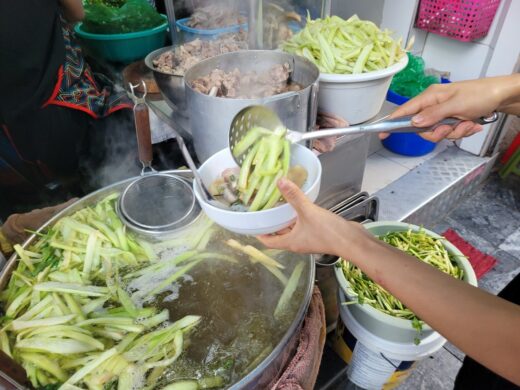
[236,302]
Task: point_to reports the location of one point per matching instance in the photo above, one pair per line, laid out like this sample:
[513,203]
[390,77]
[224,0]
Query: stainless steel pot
[210,117]
[171,86]
[272,365]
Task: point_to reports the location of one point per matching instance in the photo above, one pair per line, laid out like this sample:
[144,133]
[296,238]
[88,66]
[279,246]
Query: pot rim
[368,76]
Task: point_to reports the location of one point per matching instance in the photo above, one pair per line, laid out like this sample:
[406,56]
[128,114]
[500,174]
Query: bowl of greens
[255,205]
[379,311]
[357,61]
[121,30]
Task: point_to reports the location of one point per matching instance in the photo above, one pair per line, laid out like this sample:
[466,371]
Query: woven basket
[464,20]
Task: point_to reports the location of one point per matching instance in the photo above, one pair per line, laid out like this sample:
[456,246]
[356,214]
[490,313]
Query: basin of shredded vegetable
[91,306]
[416,243]
[342,46]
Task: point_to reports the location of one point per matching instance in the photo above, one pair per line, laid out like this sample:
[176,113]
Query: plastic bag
[120,16]
[412,80]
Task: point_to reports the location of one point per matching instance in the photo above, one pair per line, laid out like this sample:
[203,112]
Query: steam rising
[112,151]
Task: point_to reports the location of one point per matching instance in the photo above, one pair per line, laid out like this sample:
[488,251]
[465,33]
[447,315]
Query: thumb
[292,194]
[432,115]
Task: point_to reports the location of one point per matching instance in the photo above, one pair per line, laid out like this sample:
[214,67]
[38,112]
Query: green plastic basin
[123,48]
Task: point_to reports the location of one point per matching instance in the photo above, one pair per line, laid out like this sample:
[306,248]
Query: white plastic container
[356,97]
[384,325]
[375,362]
[264,221]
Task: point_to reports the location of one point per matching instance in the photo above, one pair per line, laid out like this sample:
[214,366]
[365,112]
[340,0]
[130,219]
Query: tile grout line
[452,354]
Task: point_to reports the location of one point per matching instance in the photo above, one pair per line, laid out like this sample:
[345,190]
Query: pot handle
[142,129]
[144,136]
[313,106]
[11,371]
[326,260]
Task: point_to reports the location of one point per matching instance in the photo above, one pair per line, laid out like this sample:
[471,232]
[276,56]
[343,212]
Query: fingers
[292,194]
[285,231]
[382,136]
[438,134]
[278,241]
[463,129]
[431,115]
[417,104]
[476,129]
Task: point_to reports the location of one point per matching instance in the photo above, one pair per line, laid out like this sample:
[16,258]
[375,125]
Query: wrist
[507,91]
[353,238]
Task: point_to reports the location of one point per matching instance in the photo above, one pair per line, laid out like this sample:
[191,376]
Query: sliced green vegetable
[289,290]
[341,46]
[71,288]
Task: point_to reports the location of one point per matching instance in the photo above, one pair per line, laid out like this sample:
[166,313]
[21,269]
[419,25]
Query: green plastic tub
[123,48]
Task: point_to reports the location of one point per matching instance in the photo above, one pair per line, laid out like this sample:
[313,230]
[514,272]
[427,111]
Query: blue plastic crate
[191,33]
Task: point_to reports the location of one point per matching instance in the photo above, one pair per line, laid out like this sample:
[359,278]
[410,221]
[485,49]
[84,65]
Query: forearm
[483,326]
[508,88]
[73,10]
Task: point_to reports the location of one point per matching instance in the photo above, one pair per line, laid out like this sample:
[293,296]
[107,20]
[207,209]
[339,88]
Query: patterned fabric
[76,87]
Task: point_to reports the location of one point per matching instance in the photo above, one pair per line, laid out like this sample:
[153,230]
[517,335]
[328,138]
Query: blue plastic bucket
[191,33]
[407,144]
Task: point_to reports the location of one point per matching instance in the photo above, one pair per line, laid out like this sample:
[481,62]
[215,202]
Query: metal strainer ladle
[263,116]
[159,202]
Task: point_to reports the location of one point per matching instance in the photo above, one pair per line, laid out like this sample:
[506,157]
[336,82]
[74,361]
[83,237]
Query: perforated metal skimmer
[245,120]
[158,202]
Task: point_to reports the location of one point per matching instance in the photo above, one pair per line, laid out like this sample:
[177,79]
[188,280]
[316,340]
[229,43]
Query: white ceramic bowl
[264,221]
[356,97]
[384,325]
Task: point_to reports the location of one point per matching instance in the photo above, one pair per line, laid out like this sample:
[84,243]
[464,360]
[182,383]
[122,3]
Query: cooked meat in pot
[178,61]
[248,85]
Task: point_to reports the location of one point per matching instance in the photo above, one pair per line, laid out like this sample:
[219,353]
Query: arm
[466,100]
[482,325]
[13,231]
[73,10]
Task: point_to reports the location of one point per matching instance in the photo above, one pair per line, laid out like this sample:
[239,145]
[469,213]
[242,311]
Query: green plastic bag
[119,16]
[412,80]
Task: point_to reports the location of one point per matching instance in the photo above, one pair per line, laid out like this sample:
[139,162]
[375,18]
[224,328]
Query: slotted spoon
[262,116]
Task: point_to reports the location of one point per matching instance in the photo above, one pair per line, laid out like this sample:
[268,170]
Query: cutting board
[137,71]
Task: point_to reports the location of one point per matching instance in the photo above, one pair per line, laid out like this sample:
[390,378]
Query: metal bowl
[171,86]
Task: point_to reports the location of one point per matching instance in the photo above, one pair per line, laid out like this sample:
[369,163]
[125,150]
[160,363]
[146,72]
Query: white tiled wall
[383,167]
[464,61]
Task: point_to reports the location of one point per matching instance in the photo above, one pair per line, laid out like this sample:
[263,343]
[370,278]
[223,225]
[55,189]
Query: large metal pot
[210,117]
[272,365]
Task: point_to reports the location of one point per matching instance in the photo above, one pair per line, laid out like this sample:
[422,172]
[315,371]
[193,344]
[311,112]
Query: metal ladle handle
[191,164]
[396,125]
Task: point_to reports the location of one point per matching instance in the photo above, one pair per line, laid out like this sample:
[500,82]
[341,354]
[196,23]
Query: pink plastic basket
[464,20]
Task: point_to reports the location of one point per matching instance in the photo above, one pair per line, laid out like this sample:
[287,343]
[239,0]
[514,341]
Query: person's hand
[325,120]
[316,230]
[14,229]
[466,100]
